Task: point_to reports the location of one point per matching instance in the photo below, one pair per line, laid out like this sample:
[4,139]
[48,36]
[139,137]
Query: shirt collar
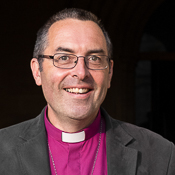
[88,132]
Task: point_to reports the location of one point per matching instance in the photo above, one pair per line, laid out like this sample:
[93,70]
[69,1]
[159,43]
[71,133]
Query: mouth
[77,90]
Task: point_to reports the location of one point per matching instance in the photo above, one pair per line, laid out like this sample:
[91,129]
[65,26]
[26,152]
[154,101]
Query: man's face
[80,38]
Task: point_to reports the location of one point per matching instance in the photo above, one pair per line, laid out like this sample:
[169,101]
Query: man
[73,135]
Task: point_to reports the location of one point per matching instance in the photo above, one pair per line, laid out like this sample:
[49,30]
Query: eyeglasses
[69,61]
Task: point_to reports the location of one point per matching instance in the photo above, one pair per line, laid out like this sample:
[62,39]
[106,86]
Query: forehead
[76,34]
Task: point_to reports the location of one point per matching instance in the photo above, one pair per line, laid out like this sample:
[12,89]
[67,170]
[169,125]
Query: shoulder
[139,138]
[15,129]
[138,134]
[143,137]
[12,136]
[150,146]
[18,129]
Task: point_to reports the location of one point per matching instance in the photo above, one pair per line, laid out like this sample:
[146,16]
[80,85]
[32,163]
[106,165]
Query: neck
[70,125]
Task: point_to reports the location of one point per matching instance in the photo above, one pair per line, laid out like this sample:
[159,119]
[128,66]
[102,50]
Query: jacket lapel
[121,160]
[33,153]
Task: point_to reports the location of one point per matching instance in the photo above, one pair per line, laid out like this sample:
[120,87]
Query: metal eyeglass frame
[52,57]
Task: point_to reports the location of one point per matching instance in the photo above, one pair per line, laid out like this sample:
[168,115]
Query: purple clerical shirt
[83,158]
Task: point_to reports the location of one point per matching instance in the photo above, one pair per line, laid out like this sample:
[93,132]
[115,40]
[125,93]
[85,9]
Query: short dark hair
[75,13]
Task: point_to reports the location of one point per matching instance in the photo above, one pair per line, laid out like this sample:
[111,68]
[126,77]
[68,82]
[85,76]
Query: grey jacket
[130,150]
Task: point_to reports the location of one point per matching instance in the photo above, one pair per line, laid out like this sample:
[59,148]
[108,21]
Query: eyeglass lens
[68,61]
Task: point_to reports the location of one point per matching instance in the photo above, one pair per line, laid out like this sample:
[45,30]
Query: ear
[36,71]
[110,73]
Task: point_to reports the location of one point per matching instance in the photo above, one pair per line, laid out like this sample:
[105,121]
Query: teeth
[77,90]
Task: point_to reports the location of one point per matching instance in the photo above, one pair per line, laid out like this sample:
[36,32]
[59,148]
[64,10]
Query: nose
[80,71]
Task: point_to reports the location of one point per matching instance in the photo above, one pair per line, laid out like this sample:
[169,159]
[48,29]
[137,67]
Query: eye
[94,58]
[64,58]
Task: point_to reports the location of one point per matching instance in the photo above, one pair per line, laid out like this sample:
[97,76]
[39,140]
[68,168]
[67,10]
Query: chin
[81,114]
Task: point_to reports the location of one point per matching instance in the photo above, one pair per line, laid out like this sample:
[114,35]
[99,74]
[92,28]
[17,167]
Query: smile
[77,90]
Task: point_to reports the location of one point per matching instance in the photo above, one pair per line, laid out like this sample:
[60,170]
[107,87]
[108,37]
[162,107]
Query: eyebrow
[94,51]
[64,49]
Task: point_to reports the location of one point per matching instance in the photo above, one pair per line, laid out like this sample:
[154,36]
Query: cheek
[48,80]
[53,77]
[102,82]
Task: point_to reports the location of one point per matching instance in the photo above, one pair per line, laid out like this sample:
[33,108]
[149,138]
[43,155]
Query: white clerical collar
[73,137]
[83,135]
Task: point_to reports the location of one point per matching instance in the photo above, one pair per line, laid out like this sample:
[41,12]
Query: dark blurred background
[143,36]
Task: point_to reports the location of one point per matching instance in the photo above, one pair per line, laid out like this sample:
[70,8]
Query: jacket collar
[121,159]
[33,152]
